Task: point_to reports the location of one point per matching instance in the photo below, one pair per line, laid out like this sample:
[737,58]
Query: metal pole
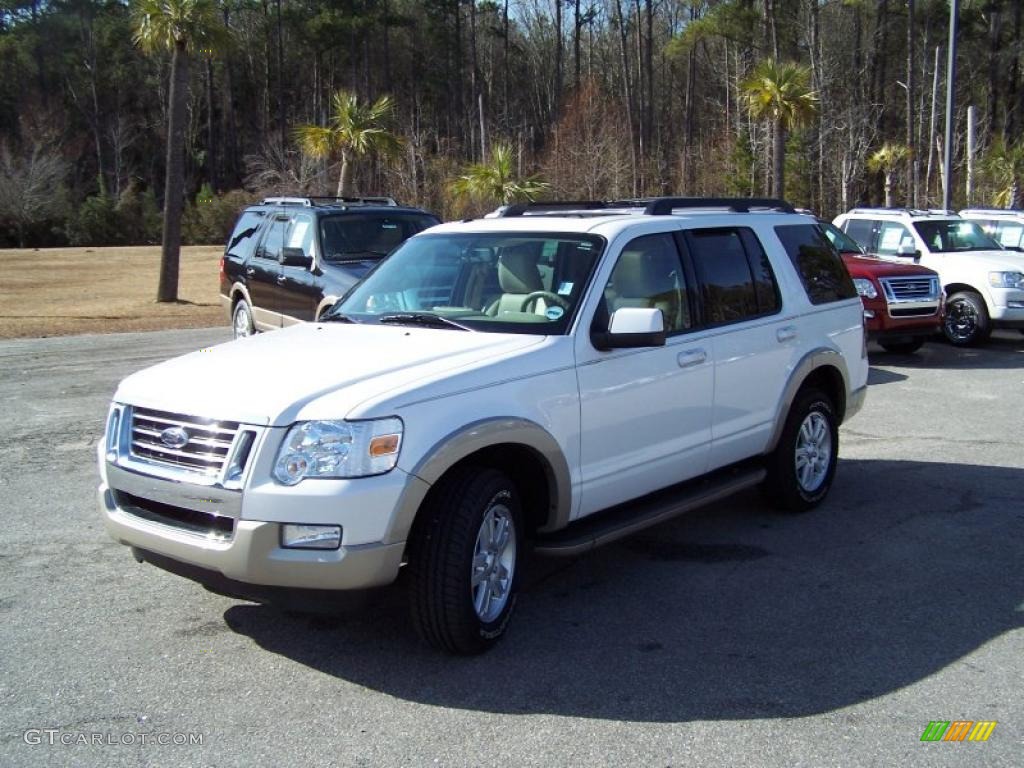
[947,189]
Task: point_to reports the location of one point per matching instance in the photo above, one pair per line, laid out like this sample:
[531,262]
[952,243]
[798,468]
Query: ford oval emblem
[174,437]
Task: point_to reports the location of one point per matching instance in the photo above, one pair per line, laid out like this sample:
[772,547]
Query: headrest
[517,269]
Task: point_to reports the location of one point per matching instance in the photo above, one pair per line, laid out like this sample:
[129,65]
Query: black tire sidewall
[783,487]
[241,305]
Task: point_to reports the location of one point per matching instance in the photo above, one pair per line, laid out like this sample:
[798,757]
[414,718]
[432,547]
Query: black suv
[291,258]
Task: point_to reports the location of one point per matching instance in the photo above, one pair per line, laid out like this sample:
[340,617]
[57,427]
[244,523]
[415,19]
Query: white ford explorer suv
[553,381]
[984,283]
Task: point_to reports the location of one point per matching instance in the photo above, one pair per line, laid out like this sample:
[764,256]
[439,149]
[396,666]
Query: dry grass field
[63,291]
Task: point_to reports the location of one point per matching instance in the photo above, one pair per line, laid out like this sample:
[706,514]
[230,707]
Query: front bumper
[253,554]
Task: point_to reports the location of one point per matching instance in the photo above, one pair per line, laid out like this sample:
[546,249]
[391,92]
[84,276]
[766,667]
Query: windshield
[355,236]
[842,241]
[949,235]
[496,282]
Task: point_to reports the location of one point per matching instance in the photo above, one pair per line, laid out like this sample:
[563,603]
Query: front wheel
[803,464]
[903,347]
[967,322]
[464,558]
[241,320]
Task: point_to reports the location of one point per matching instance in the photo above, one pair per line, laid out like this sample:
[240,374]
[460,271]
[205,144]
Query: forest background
[600,99]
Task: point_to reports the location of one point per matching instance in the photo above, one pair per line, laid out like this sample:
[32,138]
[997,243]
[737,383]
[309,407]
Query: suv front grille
[912,296]
[205,450]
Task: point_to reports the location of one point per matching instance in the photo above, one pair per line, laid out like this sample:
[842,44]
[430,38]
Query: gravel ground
[734,636]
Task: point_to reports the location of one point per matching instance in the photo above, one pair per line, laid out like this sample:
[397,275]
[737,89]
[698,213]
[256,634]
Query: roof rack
[994,211]
[318,200]
[650,206]
[661,206]
[906,211]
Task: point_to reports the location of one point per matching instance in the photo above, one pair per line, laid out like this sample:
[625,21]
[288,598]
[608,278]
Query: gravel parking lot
[734,636]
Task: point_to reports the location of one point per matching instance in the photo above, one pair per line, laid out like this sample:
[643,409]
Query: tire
[903,347]
[464,561]
[241,320]
[967,322]
[803,464]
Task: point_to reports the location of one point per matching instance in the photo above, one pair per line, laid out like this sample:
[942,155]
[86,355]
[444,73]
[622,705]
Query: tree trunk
[558,62]
[912,161]
[630,110]
[576,45]
[211,137]
[174,188]
[888,189]
[779,160]
[343,175]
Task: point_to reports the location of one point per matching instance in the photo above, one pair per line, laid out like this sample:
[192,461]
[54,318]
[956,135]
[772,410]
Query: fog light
[310,536]
[869,314]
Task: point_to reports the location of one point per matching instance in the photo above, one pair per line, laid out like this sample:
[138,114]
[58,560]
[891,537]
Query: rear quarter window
[243,237]
[818,263]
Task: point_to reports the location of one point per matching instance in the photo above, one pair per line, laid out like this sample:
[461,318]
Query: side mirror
[294,257]
[632,327]
[908,251]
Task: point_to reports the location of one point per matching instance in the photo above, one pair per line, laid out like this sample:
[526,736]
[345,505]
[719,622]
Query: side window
[765,286]
[817,262]
[728,286]
[862,231]
[891,236]
[649,274]
[270,248]
[1010,234]
[300,233]
[244,235]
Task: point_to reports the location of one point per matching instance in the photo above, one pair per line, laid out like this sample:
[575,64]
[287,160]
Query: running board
[627,519]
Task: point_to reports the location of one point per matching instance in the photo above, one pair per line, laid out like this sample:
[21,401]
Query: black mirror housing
[294,257]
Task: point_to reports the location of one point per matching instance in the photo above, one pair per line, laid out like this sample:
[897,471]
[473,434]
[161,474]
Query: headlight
[1006,279]
[338,449]
[865,288]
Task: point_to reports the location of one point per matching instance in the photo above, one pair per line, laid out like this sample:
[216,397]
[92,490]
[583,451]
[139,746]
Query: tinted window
[368,235]
[649,274]
[842,241]
[300,234]
[244,235]
[861,231]
[270,248]
[817,262]
[727,284]
[765,286]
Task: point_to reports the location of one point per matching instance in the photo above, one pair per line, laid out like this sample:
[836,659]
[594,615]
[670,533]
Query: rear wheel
[241,320]
[464,555]
[803,464]
[903,347]
[967,322]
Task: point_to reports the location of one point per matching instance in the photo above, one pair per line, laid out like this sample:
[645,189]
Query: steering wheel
[553,298]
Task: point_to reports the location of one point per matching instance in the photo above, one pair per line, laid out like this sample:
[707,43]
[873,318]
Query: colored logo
[959,730]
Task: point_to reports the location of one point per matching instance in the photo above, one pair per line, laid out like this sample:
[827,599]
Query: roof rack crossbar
[549,206]
[663,206]
[309,201]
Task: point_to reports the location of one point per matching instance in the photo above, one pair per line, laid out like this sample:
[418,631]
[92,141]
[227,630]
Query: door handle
[691,358]
[250,272]
[786,333]
[281,279]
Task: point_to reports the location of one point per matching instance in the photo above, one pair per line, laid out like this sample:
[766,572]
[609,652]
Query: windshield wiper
[422,318]
[336,317]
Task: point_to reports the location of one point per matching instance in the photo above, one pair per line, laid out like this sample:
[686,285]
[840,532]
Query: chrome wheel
[242,324]
[961,320]
[494,563]
[813,451]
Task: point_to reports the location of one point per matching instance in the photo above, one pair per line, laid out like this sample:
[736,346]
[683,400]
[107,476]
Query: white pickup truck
[552,379]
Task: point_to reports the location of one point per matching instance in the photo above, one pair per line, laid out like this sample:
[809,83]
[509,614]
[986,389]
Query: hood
[267,379]
[996,261]
[858,263]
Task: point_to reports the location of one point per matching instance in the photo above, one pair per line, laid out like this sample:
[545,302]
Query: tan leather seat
[648,278]
[518,277]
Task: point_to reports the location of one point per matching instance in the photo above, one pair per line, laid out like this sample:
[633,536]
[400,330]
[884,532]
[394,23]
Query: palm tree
[889,159]
[781,94]
[355,130]
[1005,164]
[494,181]
[178,27]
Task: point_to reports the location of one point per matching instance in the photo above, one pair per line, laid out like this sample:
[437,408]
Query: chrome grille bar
[205,450]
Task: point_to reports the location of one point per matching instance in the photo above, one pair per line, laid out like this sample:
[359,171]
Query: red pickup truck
[903,303]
